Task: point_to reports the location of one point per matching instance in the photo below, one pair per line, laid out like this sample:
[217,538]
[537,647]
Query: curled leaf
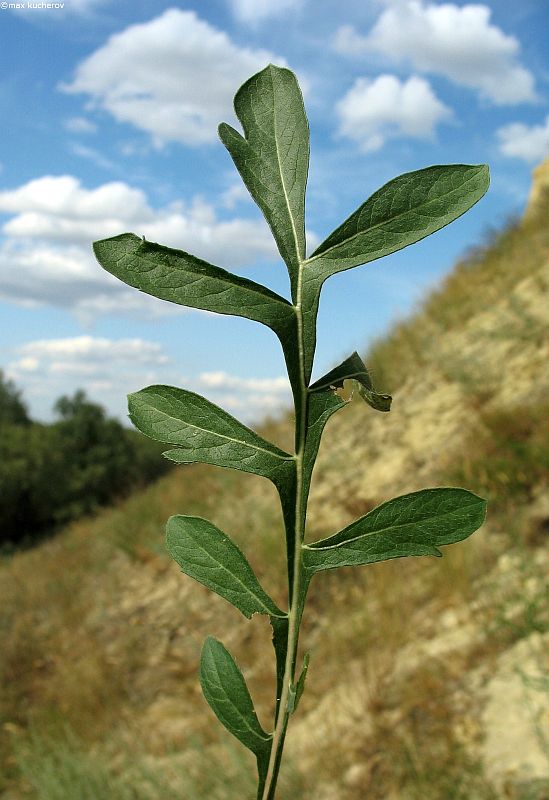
[353,368]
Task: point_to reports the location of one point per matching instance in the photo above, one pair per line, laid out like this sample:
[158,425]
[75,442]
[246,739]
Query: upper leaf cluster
[273,159]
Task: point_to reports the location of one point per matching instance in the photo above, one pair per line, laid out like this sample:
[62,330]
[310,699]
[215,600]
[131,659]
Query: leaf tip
[171,527]
[132,401]
[209,643]
[225,131]
[484,171]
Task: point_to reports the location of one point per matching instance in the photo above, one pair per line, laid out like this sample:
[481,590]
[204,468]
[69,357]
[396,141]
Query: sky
[110,112]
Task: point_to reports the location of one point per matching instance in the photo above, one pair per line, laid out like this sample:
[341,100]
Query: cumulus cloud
[46,257]
[252,407]
[222,380]
[348,42]
[153,74]
[458,42]
[85,353]
[63,196]
[105,368]
[373,111]
[235,194]
[530,143]
[247,397]
[257,10]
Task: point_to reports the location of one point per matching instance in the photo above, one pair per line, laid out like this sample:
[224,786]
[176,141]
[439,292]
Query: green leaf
[415,524]
[321,406]
[280,645]
[227,695]
[297,691]
[181,278]
[208,555]
[206,433]
[402,212]
[273,156]
[353,368]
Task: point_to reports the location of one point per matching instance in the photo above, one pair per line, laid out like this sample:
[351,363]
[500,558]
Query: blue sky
[110,113]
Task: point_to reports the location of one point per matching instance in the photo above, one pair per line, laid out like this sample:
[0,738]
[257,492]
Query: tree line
[53,473]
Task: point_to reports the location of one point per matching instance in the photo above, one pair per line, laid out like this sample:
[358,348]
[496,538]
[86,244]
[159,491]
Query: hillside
[428,678]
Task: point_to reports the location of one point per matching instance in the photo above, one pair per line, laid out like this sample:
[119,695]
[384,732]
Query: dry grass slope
[427,678]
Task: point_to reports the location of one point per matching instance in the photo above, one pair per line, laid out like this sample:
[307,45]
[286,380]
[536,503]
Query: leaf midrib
[279,162]
[224,277]
[287,457]
[262,738]
[247,588]
[385,529]
[380,224]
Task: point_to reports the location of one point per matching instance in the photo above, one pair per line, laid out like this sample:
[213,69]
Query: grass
[507,455]
[55,764]
[60,766]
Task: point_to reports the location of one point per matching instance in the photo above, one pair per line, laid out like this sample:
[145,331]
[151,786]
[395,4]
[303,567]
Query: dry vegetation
[101,634]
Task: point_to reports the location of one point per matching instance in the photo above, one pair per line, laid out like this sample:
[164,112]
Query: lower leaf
[226,692]
[208,555]
[280,644]
[297,691]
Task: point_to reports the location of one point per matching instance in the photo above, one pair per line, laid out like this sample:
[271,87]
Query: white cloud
[373,111]
[93,155]
[223,381]
[235,194]
[63,196]
[46,256]
[249,397]
[348,42]
[528,143]
[257,10]
[106,369]
[252,407]
[458,42]
[80,125]
[174,77]
[68,353]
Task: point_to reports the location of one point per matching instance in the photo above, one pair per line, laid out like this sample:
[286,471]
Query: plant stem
[295,587]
